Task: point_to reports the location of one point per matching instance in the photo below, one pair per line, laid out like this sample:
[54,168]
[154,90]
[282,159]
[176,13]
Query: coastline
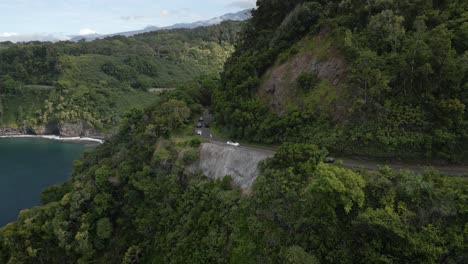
[54,137]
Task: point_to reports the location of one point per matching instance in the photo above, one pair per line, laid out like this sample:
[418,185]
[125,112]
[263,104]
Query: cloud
[181,12]
[15,37]
[244,4]
[165,13]
[87,31]
[7,34]
[132,18]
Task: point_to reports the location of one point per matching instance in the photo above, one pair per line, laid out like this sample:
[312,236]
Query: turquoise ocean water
[27,166]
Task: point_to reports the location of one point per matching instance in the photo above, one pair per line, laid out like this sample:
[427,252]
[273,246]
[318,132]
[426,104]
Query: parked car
[235,144]
[201,119]
[199,132]
[207,125]
[329,160]
[199,125]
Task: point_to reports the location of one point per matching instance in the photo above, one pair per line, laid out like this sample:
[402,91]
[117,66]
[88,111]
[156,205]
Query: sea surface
[27,166]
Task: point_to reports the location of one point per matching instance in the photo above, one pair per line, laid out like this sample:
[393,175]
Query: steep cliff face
[76,130]
[10,131]
[63,130]
[217,161]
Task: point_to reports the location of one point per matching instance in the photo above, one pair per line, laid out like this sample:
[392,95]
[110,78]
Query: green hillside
[381,79]
[96,82]
[135,200]
[384,78]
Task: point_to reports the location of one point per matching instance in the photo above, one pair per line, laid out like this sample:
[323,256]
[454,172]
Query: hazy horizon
[50,20]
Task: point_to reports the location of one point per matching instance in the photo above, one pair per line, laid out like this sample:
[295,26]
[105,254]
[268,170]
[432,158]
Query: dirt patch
[279,86]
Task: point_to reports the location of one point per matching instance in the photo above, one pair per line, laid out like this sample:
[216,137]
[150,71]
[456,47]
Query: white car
[199,132]
[235,144]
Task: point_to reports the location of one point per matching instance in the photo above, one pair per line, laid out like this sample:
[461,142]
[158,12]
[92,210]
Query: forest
[97,82]
[134,200]
[403,93]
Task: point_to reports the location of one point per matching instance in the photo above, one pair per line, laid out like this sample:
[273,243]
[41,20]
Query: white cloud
[14,37]
[165,13]
[7,34]
[244,4]
[181,12]
[87,31]
[132,18]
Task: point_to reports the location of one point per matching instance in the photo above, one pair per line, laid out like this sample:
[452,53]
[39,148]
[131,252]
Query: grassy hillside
[384,79]
[95,82]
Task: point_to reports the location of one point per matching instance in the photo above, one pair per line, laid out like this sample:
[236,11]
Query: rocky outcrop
[10,131]
[219,160]
[279,84]
[63,130]
[75,130]
[70,130]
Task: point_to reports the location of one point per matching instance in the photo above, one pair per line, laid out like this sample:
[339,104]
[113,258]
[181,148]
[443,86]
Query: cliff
[63,130]
[217,161]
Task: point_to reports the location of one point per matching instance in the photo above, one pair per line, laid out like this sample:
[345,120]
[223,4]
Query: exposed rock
[279,90]
[76,130]
[10,131]
[71,130]
[217,161]
[63,130]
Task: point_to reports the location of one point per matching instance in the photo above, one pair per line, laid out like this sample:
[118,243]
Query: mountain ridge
[237,16]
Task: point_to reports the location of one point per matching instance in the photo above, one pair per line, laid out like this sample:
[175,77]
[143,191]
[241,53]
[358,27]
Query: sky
[22,20]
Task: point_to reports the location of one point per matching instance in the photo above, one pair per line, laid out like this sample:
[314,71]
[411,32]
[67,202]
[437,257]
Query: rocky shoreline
[66,132]
[53,137]
[11,131]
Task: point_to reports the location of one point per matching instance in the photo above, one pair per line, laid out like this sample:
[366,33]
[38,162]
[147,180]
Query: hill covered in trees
[134,200]
[43,85]
[374,78]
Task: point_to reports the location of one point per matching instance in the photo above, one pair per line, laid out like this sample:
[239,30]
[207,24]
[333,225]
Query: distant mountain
[239,16]
[32,37]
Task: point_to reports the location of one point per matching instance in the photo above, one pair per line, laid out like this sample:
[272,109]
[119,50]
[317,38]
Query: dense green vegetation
[96,82]
[405,88]
[134,200]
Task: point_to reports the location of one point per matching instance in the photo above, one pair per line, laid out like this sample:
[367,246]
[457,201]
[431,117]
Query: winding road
[351,163]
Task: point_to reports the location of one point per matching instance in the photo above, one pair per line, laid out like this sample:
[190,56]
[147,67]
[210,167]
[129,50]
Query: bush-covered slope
[402,86]
[95,82]
[133,200]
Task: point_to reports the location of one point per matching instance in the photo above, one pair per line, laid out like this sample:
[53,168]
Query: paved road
[347,162]
[206,134]
[418,168]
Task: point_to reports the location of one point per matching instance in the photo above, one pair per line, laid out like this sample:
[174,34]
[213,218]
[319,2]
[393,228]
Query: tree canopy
[403,90]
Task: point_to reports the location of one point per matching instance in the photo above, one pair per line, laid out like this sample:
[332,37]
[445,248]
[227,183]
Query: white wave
[53,137]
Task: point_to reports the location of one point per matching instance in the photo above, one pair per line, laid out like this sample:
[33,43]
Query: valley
[83,89]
